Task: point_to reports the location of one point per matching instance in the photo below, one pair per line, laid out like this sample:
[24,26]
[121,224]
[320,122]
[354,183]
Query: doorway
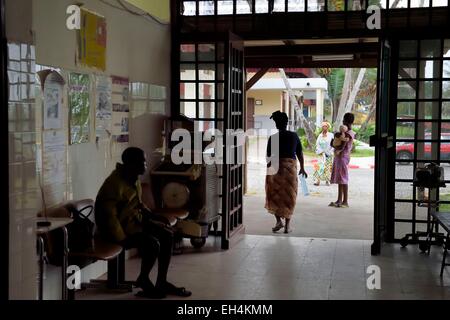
[319,92]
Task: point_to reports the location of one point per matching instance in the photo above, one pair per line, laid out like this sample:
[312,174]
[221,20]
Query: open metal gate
[209,89]
[234,115]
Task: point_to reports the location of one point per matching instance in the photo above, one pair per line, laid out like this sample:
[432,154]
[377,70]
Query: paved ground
[313,217]
[272,268]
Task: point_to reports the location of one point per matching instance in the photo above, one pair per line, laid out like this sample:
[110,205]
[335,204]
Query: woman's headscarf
[325,123]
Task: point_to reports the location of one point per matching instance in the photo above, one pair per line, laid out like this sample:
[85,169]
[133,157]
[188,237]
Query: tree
[369,91]
[310,136]
[348,98]
[335,79]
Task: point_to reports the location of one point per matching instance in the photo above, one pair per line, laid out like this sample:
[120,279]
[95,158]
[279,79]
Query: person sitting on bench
[121,217]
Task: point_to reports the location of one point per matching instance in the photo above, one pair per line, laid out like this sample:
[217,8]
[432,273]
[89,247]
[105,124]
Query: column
[319,107]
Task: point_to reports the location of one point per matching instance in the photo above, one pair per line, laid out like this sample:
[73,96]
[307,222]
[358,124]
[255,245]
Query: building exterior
[269,95]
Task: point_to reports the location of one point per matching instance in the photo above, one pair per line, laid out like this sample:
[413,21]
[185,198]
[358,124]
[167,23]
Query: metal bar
[64,263]
[5,219]
[40,247]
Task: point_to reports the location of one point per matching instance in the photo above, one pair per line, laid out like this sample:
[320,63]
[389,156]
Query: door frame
[4,222]
[234,115]
[383,142]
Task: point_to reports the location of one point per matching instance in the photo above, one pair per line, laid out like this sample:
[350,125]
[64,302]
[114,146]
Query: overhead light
[333,57]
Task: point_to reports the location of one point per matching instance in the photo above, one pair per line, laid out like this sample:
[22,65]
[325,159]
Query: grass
[444,206]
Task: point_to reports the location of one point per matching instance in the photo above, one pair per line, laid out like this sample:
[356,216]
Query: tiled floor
[276,267]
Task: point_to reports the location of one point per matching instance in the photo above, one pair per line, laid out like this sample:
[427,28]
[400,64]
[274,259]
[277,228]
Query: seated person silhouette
[121,217]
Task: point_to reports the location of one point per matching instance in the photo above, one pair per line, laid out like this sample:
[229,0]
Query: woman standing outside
[282,184]
[339,174]
[325,152]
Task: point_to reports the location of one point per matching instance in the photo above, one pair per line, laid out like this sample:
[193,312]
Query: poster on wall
[92,40]
[121,109]
[103,113]
[54,170]
[79,108]
[53,115]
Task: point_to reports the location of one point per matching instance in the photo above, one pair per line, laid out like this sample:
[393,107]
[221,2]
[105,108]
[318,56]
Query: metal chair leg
[444,257]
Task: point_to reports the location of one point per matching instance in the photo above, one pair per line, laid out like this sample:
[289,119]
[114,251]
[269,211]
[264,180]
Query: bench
[443,219]
[101,250]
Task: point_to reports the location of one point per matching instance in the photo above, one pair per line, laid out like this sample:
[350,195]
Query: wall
[137,48]
[23,189]
[159,8]
[271,100]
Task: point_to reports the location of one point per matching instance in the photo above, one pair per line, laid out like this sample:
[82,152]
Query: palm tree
[369,90]
[335,78]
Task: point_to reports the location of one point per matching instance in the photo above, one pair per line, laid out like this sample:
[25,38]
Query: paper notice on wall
[103,113]
[79,108]
[54,158]
[92,40]
[121,109]
[53,115]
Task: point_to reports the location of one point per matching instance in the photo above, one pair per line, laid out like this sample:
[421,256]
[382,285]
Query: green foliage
[335,83]
[79,108]
[304,142]
[365,135]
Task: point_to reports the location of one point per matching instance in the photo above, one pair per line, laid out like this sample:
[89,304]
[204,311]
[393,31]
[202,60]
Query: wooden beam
[316,49]
[250,83]
[306,62]
[303,25]
[405,76]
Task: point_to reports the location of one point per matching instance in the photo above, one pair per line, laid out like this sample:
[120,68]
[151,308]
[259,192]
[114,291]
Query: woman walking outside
[282,184]
[324,150]
[339,174]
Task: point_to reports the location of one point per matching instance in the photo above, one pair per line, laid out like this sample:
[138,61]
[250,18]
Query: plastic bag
[304,187]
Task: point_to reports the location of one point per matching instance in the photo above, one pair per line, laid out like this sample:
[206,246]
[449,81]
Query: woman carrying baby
[343,143]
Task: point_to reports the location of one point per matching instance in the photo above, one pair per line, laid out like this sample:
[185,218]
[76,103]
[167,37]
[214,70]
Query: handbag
[80,234]
[82,230]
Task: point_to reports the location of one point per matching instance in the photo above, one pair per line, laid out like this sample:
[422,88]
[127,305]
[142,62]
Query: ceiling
[312,53]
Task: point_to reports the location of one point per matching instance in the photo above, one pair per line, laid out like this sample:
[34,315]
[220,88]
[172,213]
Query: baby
[340,138]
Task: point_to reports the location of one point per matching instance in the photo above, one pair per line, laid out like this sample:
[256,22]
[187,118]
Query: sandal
[332,204]
[180,292]
[277,227]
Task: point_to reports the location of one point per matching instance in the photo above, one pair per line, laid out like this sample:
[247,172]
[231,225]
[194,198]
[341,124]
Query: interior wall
[23,189]
[160,9]
[137,48]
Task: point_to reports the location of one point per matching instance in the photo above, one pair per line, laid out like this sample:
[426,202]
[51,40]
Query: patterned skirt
[281,189]
[322,170]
